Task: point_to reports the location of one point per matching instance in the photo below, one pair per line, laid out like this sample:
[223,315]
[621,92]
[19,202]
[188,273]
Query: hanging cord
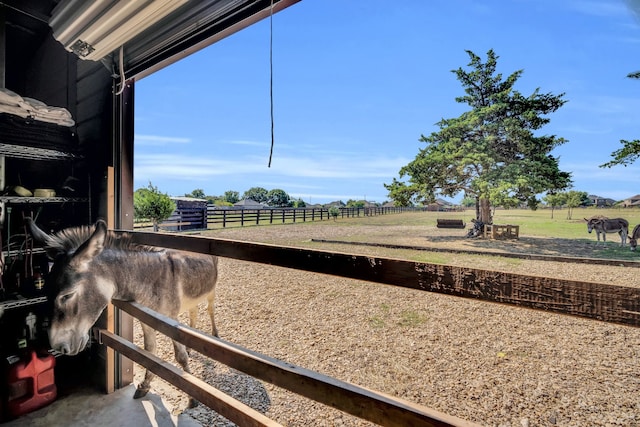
[271,76]
[121,65]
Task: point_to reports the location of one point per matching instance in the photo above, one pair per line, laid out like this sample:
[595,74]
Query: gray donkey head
[80,293]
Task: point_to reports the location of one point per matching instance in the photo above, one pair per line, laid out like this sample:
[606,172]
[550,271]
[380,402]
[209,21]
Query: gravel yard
[488,363]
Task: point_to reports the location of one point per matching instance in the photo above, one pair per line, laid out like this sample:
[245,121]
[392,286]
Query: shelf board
[22,302]
[36,200]
[35,153]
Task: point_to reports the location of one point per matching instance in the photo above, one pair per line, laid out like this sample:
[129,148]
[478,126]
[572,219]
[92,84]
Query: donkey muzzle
[68,344]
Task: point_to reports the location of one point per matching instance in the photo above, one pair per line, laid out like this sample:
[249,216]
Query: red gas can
[31,384]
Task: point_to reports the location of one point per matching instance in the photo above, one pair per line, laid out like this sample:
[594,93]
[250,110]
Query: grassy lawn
[540,223]
[536,224]
[564,236]
[532,223]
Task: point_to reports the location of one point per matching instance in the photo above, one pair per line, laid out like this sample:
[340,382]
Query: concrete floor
[87,407]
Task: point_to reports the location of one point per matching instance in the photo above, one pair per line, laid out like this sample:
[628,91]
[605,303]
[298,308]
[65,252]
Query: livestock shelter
[78,61]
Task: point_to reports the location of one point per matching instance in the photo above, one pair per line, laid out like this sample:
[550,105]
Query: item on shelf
[29,139]
[44,192]
[25,107]
[18,190]
[70,185]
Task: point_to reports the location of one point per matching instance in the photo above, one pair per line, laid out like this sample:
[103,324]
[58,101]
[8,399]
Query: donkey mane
[69,240]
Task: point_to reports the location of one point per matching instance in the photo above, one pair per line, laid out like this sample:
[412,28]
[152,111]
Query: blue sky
[356,82]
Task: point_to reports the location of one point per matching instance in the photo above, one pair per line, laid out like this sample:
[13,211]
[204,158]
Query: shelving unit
[32,141]
[41,156]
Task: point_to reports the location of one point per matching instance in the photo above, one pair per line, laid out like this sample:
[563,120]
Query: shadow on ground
[238,385]
[581,248]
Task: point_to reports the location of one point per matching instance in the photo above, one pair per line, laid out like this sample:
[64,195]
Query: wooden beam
[366,404]
[610,303]
[220,402]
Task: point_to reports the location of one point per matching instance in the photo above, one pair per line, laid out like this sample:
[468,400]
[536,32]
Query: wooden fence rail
[244,216]
[600,301]
[373,406]
[213,217]
[220,402]
[610,303]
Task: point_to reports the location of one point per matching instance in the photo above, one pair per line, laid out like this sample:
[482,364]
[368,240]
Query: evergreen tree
[489,152]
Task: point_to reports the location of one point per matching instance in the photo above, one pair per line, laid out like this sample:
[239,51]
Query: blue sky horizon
[355,85]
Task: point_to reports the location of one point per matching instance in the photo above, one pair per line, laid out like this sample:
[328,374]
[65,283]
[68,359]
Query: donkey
[92,266]
[604,225]
[633,237]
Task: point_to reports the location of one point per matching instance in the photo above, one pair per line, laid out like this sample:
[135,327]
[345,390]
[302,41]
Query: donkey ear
[91,248]
[47,241]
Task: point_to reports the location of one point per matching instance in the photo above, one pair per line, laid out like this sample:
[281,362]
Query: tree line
[275,197]
[151,204]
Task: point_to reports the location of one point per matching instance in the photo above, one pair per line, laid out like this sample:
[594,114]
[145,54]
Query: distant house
[441,205]
[601,202]
[631,202]
[249,204]
[337,203]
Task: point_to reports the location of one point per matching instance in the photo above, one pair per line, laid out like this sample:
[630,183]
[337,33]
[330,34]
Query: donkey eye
[64,298]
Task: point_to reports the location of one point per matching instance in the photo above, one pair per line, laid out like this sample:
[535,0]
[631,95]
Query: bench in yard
[450,223]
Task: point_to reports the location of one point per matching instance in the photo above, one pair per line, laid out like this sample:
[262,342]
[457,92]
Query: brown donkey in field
[604,225]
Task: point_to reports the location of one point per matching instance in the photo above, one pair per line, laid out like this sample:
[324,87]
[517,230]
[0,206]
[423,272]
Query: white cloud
[601,8]
[159,140]
[326,197]
[247,142]
[192,167]
[187,167]
[587,130]
[290,184]
[338,167]
[592,171]
[605,105]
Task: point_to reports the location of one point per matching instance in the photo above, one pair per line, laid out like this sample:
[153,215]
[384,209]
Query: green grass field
[537,224]
[540,224]
[532,223]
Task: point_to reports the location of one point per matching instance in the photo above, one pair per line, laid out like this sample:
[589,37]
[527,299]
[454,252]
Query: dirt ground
[487,363]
